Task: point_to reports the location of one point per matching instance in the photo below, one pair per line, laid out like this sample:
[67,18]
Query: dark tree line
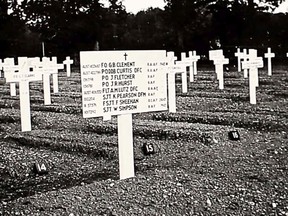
[69,26]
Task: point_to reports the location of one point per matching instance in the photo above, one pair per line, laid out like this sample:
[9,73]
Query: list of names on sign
[120,82]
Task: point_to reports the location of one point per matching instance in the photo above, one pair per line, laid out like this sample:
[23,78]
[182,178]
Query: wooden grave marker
[55,67]
[171,81]
[195,58]
[252,65]
[46,71]
[239,56]
[245,58]
[68,62]
[23,77]
[183,64]
[219,60]
[121,83]
[193,68]
[10,67]
[269,55]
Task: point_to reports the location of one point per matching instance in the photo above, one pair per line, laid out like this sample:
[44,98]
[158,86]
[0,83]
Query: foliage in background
[69,26]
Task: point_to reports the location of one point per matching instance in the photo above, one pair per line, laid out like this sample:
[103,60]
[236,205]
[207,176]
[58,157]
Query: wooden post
[253,64]
[125,146]
[238,55]
[171,82]
[269,56]
[219,60]
[10,67]
[245,59]
[68,62]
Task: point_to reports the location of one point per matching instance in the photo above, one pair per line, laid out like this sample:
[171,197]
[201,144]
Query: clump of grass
[75,147]
[5,118]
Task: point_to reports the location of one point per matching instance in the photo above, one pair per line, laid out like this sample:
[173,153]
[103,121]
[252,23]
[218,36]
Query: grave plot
[194,154]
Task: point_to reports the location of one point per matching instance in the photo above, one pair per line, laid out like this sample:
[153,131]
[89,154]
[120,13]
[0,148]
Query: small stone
[274,205]
[78,197]
[179,184]
[208,202]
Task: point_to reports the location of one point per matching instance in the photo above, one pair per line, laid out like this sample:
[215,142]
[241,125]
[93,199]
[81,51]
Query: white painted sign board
[269,55]
[121,83]
[214,54]
[23,77]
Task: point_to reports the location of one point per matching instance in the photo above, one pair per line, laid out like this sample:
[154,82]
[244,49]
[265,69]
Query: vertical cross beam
[219,60]
[245,59]
[10,67]
[253,64]
[171,82]
[238,55]
[68,62]
[269,55]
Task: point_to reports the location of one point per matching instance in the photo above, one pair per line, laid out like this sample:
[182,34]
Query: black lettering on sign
[234,135]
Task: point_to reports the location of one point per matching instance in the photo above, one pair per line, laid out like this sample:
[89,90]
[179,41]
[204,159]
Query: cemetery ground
[196,168]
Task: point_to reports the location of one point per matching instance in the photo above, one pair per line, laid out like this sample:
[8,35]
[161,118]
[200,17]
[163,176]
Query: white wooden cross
[197,57]
[10,67]
[253,64]
[55,67]
[183,64]
[68,62]
[219,70]
[239,55]
[269,56]
[45,70]
[245,58]
[171,81]
[23,77]
[219,60]
[193,69]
